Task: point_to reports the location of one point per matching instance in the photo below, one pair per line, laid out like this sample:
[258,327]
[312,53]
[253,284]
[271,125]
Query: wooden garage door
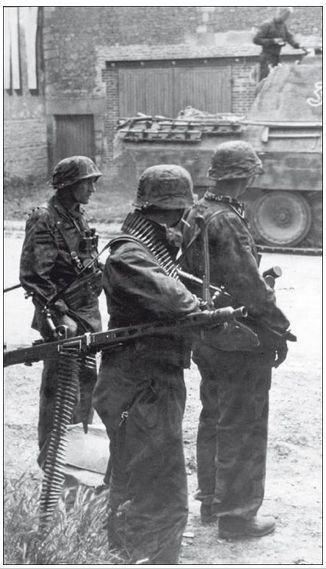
[165,91]
[148,91]
[74,135]
[207,89]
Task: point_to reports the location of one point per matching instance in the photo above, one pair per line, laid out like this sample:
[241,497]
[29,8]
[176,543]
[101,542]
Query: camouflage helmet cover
[234,159]
[73,169]
[165,186]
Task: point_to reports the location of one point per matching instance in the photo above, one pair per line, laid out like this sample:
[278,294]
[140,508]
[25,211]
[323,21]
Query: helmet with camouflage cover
[165,186]
[234,159]
[73,169]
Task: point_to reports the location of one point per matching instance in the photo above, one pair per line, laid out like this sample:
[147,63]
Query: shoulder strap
[58,224]
[201,228]
[126,237]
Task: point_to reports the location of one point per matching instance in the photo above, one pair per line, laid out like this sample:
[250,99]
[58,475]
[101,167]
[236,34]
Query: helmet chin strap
[67,198]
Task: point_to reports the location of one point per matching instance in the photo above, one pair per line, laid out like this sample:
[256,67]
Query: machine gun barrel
[97,341]
[269,275]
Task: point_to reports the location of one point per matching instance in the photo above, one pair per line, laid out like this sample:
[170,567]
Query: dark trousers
[266,60]
[141,404]
[49,382]
[232,433]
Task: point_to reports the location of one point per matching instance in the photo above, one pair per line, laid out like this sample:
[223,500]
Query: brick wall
[111,115]
[244,83]
[306,20]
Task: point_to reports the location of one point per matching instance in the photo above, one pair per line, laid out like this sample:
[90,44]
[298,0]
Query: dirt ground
[294,483]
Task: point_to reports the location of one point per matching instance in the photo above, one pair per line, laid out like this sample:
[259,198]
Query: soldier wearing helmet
[272,36]
[58,245]
[235,375]
[140,392]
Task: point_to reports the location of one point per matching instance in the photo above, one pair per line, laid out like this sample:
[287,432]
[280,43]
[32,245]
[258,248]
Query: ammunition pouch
[84,291]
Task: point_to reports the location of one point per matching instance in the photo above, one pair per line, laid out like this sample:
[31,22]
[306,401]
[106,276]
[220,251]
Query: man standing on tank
[58,245]
[234,391]
[140,393]
[272,36]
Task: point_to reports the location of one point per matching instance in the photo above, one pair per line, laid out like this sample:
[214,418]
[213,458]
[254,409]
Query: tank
[284,125]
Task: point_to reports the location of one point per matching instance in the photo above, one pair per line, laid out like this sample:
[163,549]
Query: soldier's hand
[71,325]
[279,41]
[61,307]
[281,351]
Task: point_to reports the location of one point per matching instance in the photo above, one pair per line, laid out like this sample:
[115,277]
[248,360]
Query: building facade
[72,72]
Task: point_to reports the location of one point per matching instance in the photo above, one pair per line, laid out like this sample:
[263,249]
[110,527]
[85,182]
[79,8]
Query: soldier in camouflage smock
[232,434]
[140,393]
[58,245]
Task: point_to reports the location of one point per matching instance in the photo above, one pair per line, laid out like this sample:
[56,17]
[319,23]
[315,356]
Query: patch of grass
[74,537]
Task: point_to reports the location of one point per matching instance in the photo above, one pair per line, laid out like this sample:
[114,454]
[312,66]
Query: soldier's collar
[210,196]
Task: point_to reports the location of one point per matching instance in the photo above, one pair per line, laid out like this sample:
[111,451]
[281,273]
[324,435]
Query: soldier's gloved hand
[281,350]
[60,307]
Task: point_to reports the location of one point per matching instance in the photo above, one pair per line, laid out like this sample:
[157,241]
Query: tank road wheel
[281,218]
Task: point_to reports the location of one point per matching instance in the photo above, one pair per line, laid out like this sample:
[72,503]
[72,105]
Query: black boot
[233,527]
[207,514]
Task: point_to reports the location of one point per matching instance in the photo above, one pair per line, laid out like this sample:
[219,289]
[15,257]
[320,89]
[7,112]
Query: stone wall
[25,140]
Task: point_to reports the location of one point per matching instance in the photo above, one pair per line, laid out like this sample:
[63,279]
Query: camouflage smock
[46,266]
[52,234]
[234,391]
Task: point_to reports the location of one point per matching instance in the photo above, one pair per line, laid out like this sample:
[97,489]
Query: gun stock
[97,341]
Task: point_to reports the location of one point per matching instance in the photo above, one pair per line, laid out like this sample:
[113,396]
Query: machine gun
[92,342]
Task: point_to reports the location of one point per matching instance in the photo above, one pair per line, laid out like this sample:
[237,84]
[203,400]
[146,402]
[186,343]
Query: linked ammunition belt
[66,397]
[74,380]
[146,231]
